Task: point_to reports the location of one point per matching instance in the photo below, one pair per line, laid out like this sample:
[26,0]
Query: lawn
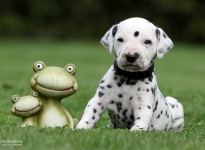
[181,74]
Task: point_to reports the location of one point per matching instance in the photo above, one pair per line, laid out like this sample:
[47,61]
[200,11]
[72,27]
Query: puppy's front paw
[84,125]
[137,128]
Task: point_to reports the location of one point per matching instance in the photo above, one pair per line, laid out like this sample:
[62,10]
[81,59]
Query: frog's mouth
[71,89]
[26,113]
[56,90]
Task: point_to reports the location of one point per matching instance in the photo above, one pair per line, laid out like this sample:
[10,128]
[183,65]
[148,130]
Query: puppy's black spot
[158,34]
[168,48]
[131,117]
[153,92]
[124,113]
[120,95]
[161,50]
[102,81]
[114,30]
[105,44]
[109,86]
[164,35]
[102,87]
[150,78]
[119,84]
[155,108]
[129,123]
[136,33]
[123,120]
[115,77]
[119,106]
[93,117]
[100,94]
[146,82]
[112,102]
[165,113]
[107,36]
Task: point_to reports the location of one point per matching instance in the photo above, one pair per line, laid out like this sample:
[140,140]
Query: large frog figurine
[53,84]
[27,107]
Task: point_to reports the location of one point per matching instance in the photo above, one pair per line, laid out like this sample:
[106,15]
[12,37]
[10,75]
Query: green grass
[180,74]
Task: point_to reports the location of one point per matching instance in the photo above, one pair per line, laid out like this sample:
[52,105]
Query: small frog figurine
[27,107]
[53,84]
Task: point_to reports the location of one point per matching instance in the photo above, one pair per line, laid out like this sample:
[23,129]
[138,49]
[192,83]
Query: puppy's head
[136,42]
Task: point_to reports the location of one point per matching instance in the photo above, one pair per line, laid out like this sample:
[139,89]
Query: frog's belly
[52,117]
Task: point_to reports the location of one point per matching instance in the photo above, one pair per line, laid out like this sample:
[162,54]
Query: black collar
[134,75]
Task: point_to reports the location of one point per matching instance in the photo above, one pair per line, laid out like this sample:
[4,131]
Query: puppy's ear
[108,39]
[164,43]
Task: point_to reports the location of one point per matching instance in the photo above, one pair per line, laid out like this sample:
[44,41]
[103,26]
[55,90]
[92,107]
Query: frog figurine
[53,84]
[27,107]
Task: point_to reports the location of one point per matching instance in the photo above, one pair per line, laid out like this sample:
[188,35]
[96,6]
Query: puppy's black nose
[131,57]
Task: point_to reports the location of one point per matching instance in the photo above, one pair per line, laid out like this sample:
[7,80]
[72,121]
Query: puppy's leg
[142,113]
[177,114]
[92,113]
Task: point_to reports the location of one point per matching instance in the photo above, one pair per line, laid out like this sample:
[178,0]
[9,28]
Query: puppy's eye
[148,42]
[120,40]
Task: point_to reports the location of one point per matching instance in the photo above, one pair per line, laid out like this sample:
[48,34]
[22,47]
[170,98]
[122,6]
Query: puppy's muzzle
[131,58]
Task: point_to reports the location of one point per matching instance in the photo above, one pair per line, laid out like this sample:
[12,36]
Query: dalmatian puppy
[129,91]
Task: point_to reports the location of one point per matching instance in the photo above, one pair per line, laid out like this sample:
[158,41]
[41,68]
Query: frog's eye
[35,94]
[70,68]
[39,65]
[14,98]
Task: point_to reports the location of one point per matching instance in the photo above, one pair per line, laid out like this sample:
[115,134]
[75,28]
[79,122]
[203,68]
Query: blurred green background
[59,32]
[182,20]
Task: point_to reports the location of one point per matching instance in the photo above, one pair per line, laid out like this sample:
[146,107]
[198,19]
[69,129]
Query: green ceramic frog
[27,107]
[53,84]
